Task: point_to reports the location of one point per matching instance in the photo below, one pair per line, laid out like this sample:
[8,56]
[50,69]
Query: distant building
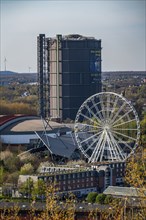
[84,179]
[69,71]
[81,179]
[80,182]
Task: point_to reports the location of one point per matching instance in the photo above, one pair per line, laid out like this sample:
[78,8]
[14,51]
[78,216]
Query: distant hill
[7,73]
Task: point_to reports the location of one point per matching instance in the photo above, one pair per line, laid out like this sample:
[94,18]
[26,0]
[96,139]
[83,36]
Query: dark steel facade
[69,71]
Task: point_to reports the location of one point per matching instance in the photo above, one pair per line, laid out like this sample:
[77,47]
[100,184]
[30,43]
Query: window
[83,174]
[64,177]
[92,173]
[78,175]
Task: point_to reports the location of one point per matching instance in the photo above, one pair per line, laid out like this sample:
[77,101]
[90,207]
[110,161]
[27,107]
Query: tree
[54,210]
[39,189]
[143,129]
[136,177]
[13,178]
[108,199]
[10,164]
[100,198]
[26,169]
[26,188]
[92,197]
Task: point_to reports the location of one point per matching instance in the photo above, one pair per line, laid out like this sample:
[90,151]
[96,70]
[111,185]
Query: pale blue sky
[119,24]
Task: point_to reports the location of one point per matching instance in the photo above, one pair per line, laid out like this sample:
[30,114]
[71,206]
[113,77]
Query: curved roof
[29,125]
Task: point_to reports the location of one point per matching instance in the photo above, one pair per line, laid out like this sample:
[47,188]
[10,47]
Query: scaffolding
[43,75]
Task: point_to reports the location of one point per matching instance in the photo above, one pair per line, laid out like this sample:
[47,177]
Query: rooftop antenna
[5,61]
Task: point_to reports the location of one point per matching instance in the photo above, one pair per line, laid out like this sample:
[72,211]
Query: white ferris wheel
[107,128]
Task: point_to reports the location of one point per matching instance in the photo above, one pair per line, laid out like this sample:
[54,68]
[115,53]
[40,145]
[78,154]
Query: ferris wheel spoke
[114,107]
[122,141]
[90,137]
[125,122]
[92,113]
[125,129]
[97,109]
[118,148]
[96,150]
[127,113]
[113,148]
[91,145]
[102,148]
[99,148]
[85,116]
[118,112]
[85,126]
[108,106]
[109,146]
[128,137]
[102,107]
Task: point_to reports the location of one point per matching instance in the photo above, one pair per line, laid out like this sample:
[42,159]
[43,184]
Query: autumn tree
[27,169]
[136,177]
[54,210]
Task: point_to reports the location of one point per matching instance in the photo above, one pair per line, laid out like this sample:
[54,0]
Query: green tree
[27,169]
[39,188]
[91,197]
[1,175]
[143,130]
[27,187]
[100,198]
